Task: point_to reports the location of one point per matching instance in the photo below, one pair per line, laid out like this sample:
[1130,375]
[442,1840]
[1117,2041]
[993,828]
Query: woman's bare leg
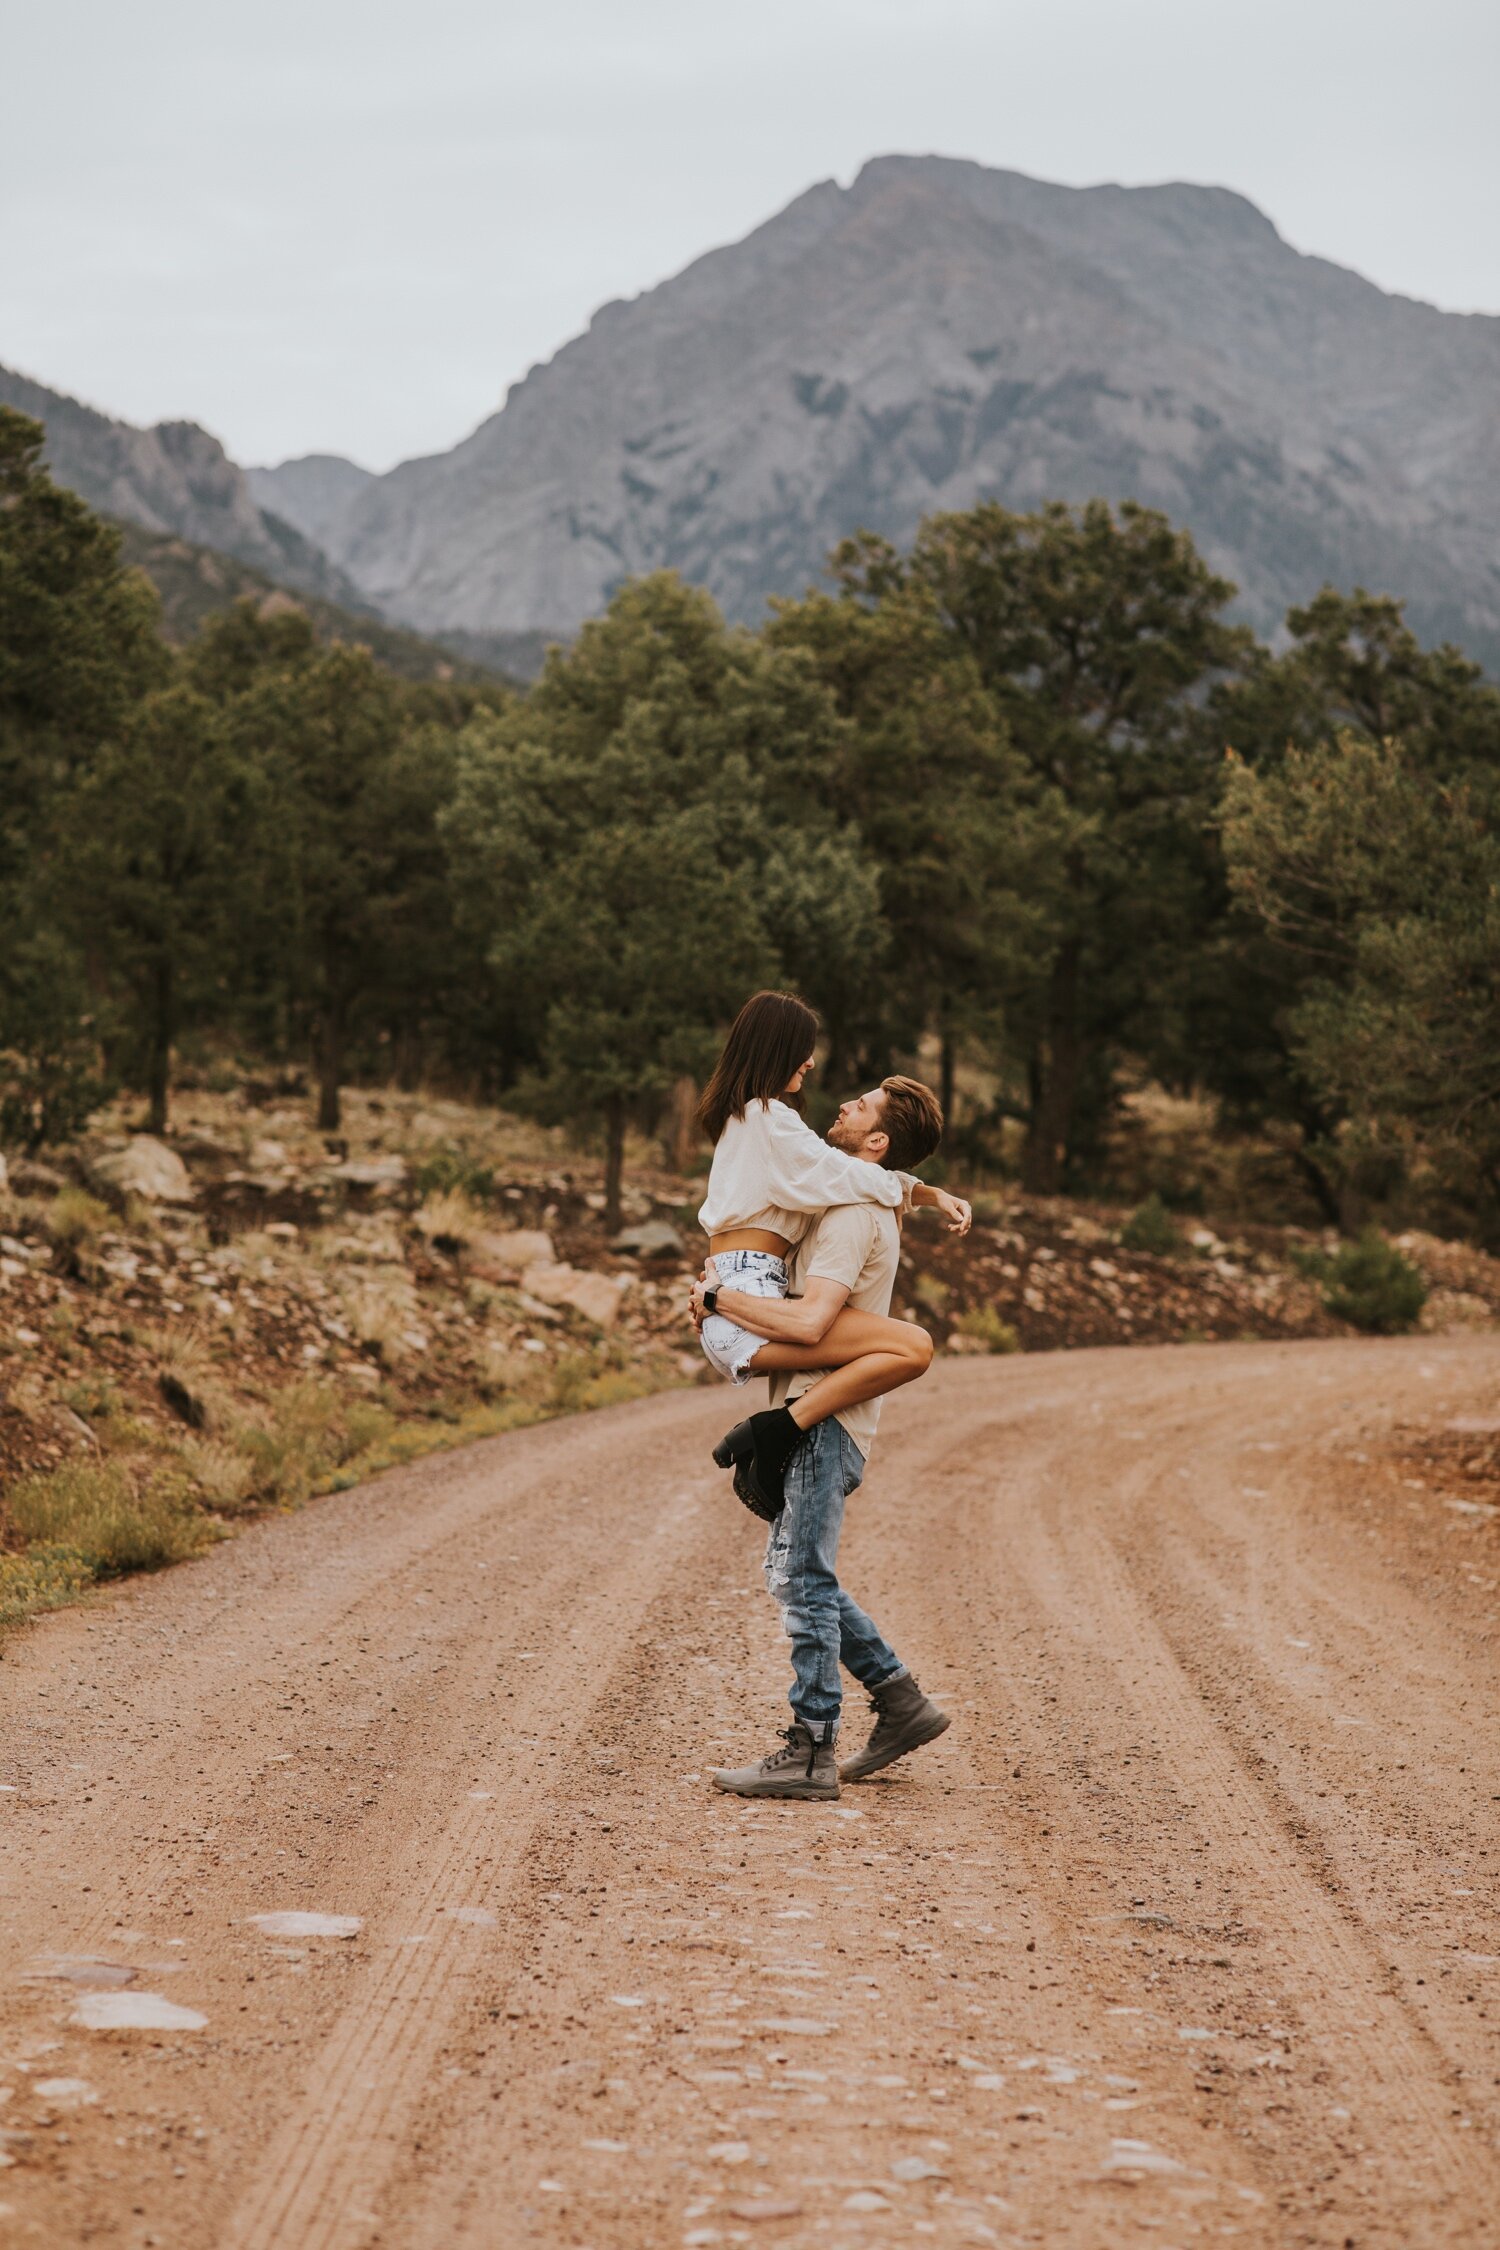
[865,1356]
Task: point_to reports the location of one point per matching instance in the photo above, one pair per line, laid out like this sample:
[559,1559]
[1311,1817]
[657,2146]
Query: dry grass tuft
[451,1219]
[76,1221]
[222,1472]
[383,1311]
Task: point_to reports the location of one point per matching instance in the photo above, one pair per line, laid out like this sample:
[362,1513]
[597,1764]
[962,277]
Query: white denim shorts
[755,1273]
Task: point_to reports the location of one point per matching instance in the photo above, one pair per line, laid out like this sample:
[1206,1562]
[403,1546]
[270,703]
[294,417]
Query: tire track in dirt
[327,2160]
[1088,1578]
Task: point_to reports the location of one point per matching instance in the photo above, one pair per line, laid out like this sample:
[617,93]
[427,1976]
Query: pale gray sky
[316,225]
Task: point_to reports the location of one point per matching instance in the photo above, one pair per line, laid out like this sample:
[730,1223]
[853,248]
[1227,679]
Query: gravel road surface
[1186,1931]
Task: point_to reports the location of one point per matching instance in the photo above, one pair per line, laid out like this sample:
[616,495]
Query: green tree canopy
[143,866]
[1094,633]
[617,858]
[1384,884]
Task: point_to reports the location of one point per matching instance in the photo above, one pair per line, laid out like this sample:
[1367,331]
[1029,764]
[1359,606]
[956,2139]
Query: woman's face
[794,1083]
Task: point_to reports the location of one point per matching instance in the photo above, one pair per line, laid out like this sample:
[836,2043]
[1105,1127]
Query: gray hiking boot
[905,1718]
[801,1768]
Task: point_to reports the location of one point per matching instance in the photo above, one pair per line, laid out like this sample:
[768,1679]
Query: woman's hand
[957,1216]
[706,1278]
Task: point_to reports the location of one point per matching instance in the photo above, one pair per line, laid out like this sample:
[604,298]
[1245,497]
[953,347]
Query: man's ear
[877,1147]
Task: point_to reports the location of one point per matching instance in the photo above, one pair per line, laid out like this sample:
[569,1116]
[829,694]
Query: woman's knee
[917,1346]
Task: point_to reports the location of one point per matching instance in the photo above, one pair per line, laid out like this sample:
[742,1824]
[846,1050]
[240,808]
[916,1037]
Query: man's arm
[782,1320]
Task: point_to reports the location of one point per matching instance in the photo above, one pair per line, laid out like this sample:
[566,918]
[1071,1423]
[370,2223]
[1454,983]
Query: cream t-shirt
[858,1244]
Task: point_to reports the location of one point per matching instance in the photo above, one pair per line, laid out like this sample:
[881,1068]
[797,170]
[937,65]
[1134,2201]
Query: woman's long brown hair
[768,1039]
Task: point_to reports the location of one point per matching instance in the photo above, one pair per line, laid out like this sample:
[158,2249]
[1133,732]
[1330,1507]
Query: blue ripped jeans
[825,1626]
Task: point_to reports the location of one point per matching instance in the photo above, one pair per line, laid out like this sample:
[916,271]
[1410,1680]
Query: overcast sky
[315,225]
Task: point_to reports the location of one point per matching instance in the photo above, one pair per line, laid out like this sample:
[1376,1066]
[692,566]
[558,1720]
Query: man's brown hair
[912,1116]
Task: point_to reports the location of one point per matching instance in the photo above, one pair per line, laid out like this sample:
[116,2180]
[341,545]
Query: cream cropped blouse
[771,1170]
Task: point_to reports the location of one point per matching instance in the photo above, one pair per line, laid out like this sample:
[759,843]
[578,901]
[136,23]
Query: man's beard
[844,1138]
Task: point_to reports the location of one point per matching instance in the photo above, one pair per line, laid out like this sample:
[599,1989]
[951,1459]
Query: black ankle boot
[758,1450]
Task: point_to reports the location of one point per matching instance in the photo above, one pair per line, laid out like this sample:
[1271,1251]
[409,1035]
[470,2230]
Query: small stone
[296,1923]
[65,2093]
[916,2168]
[134,2011]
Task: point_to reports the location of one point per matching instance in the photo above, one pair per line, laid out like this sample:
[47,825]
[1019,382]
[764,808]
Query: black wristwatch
[711,1299]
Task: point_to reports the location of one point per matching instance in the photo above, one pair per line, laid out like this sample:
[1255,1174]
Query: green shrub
[569,1385]
[45,1578]
[97,1509]
[303,1434]
[1371,1285]
[931,1293]
[50,1084]
[986,1325]
[94,1397]
[449,1169]
[1153,1229]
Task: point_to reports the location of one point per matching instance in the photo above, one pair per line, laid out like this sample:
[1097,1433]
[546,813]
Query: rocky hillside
[174,478]
[197,1329]
[934,334]
[196,583]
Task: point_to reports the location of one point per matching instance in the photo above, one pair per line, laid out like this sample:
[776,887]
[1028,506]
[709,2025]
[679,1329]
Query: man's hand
[957,1216]
[695,1298]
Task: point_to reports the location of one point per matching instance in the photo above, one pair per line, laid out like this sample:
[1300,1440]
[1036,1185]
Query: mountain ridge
[174,478]
[939,332]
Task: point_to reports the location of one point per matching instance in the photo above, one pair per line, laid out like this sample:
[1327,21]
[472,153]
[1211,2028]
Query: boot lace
[796,1742]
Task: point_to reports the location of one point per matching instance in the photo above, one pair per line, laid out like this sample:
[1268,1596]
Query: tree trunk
[1324,1193]
[159,1059]
[1055,1081]
[330,1067]
[682,1133]
[614,1158]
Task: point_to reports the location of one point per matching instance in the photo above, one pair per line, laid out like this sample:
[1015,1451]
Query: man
[849,1257]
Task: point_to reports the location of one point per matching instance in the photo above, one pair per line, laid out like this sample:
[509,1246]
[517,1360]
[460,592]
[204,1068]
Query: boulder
[653,1238]
[148,1168]
[382,1173]
[28,1177]
[505,1254]
[596,1295]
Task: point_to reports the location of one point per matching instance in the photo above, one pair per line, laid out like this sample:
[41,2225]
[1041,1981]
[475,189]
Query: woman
[771,1178]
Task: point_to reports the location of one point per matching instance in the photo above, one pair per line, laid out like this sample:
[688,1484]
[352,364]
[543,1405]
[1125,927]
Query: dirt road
[1187,1930]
